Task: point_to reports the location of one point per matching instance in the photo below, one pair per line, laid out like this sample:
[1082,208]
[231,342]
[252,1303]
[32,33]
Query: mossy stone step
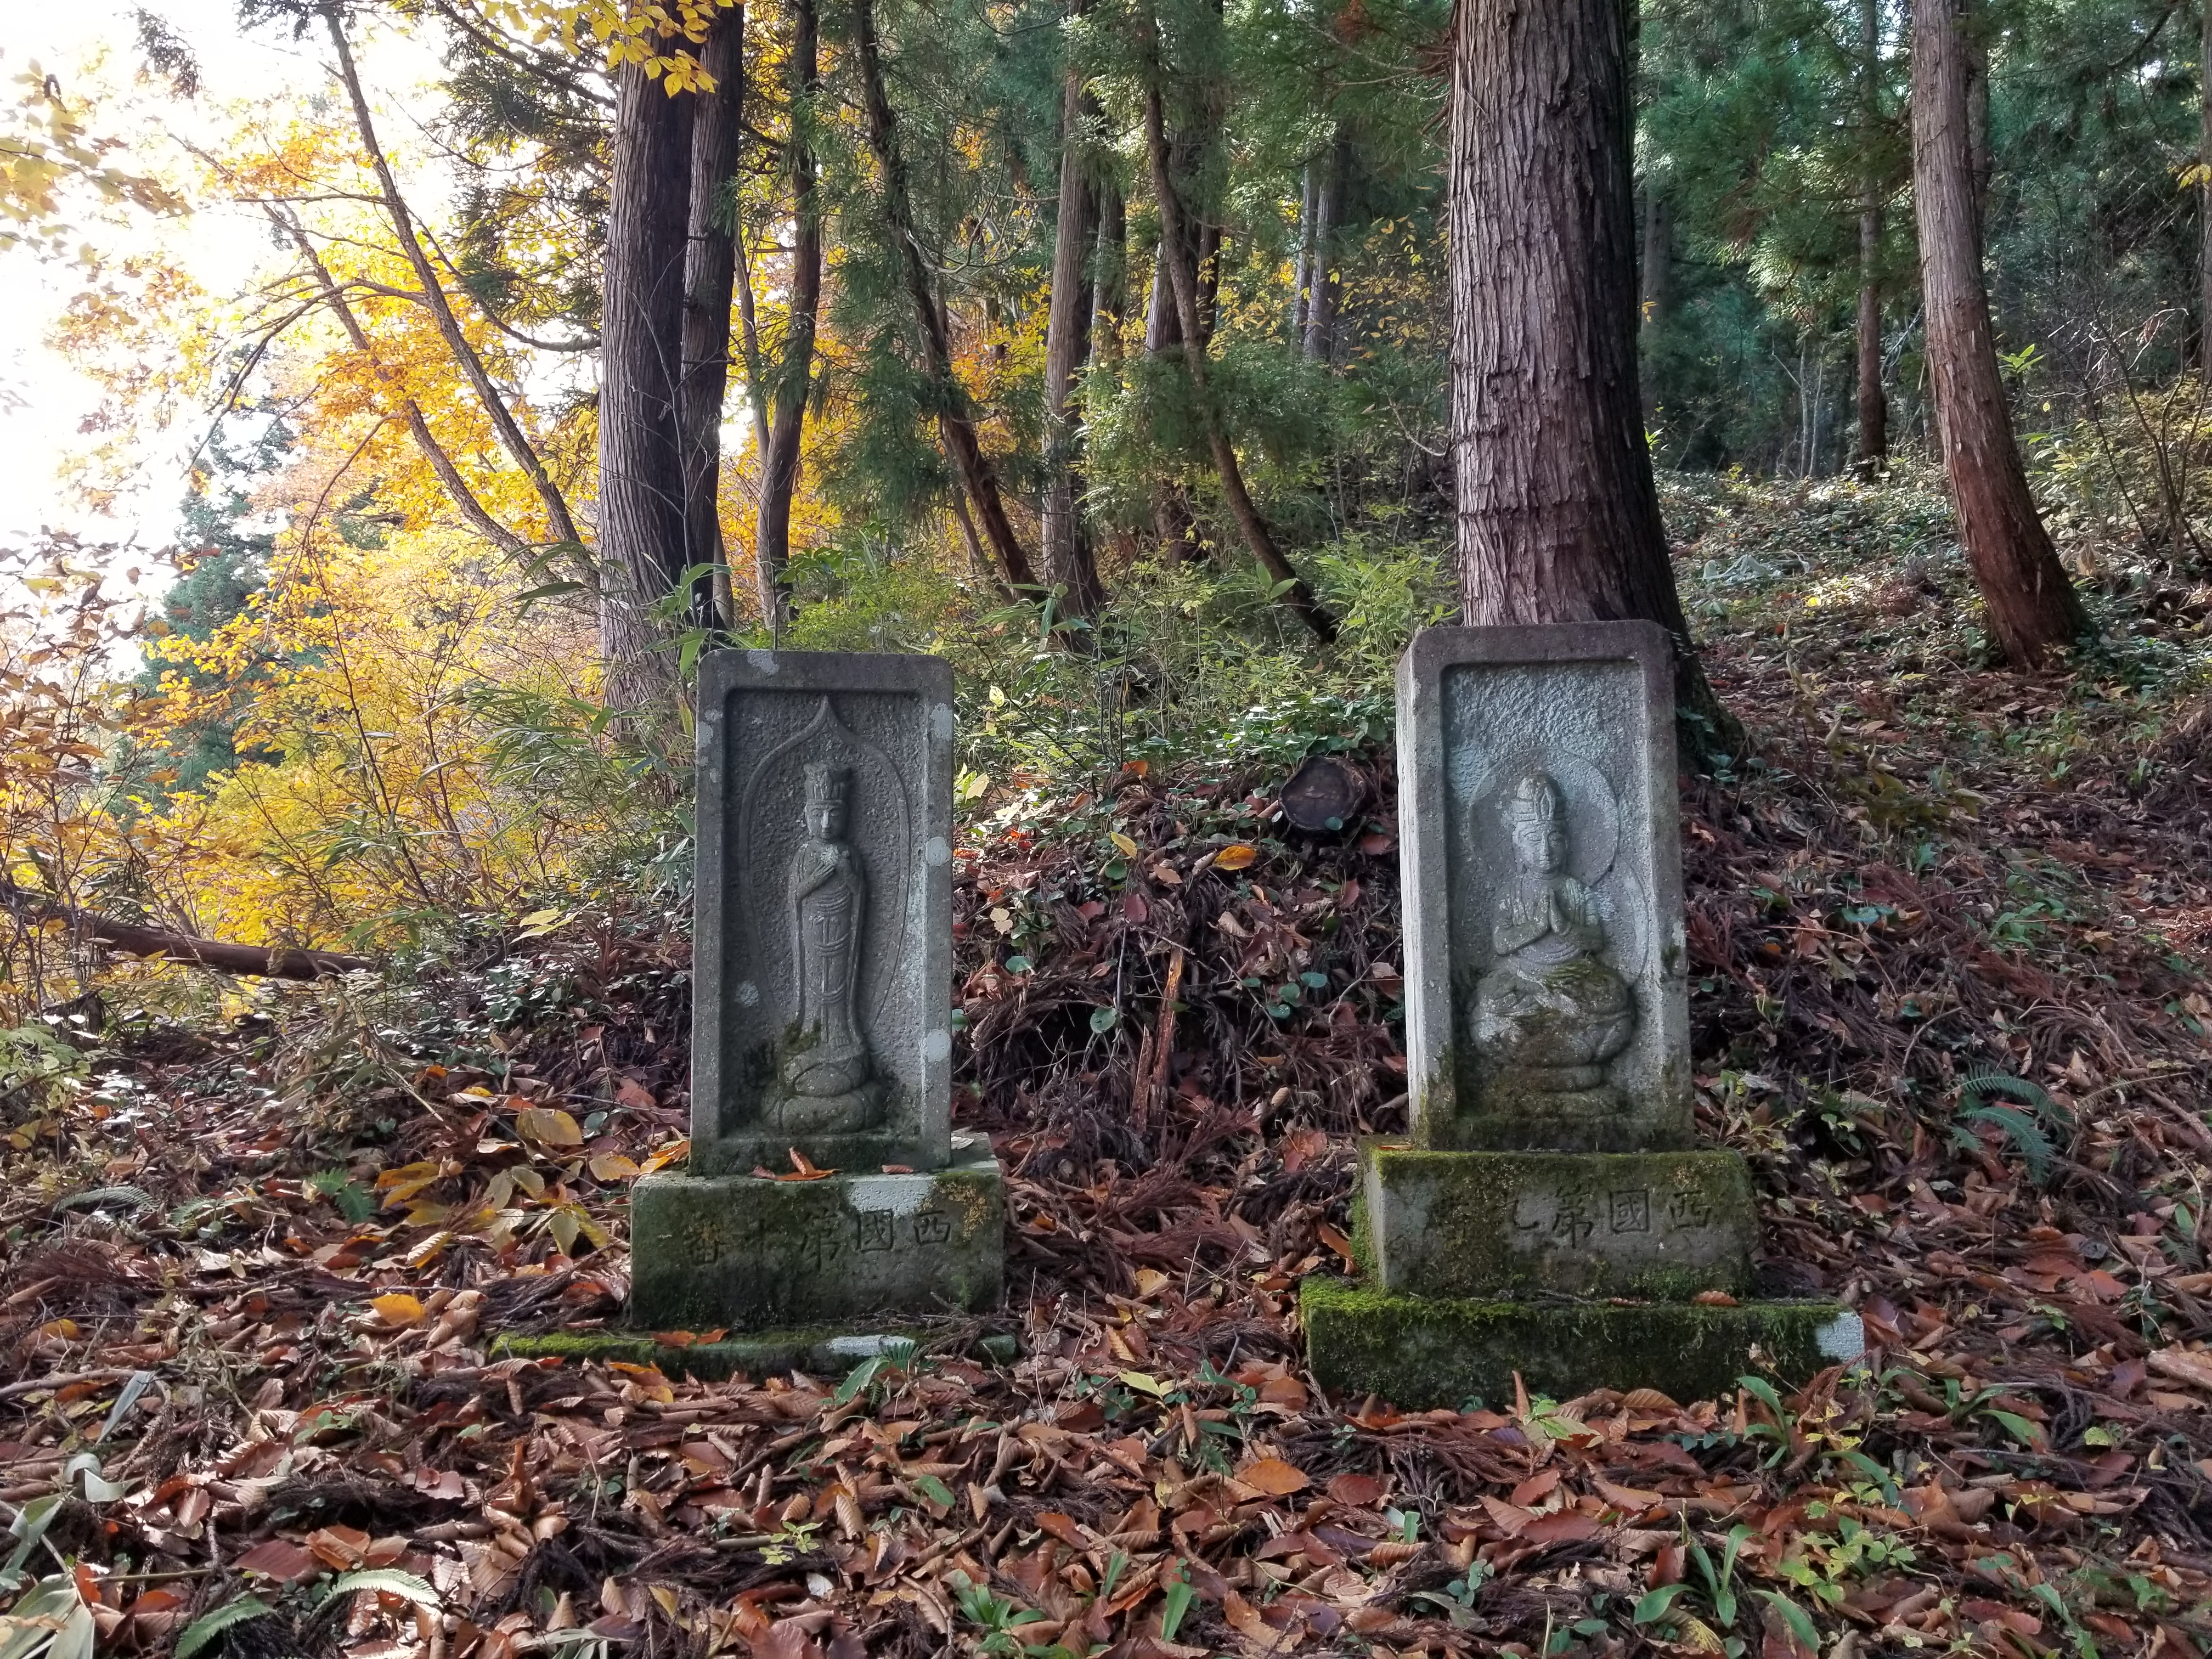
[1420,1353]
[1659,1226]
[753,1253]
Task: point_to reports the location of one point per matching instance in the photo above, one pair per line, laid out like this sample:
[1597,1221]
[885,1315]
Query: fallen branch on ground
[269,961]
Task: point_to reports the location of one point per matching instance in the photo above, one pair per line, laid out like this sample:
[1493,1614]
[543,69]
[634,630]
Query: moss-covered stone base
[821,1351]
[747,1253]
[1660,1226]
[1421,1351]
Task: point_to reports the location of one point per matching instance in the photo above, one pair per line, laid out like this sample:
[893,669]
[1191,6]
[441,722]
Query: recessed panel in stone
[823,911]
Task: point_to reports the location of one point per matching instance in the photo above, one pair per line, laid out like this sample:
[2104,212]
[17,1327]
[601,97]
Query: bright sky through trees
[92,51]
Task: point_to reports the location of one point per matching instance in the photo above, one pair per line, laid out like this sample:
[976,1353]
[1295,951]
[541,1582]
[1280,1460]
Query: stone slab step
[1421,1352]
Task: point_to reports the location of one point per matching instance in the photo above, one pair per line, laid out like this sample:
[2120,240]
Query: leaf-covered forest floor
[1947,924]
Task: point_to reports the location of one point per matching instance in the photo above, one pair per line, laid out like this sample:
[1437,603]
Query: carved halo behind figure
[1486,856]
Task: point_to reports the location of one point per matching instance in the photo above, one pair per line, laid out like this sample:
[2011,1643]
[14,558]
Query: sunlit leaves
[46,146]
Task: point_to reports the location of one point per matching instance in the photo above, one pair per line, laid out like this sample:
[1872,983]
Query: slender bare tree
[956,418]
[2033,608]
[1874,402]
[1176,243]
[794,373]
[1070,564]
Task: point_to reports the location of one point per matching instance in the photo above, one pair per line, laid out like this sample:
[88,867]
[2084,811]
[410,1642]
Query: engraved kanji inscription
[1689,1209]
[1574,1216]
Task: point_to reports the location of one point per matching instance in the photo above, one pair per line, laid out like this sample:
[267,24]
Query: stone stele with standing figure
[821,1021]
[1549,1215]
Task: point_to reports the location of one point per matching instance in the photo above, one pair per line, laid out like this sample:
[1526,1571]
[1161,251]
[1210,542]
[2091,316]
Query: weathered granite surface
[1547,997]
[1659,1225]
[750,1252]
[1420,1352]
[823,940]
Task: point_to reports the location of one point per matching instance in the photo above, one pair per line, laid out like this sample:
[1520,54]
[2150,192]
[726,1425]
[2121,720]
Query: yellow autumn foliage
[425,752]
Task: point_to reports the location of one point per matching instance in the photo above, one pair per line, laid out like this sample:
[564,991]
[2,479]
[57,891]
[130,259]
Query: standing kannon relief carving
[821,862]
[826,1058]
[1551,1010]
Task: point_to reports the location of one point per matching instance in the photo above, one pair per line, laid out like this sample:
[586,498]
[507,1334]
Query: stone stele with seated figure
[1552,1011]
[1548,1221]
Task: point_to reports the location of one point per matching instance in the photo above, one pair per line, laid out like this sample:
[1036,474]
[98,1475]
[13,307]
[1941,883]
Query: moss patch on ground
[820,1352]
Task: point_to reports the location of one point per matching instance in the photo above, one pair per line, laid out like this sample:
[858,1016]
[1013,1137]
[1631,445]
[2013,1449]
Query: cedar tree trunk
[1301,286]
[794,373]
[710,282]
[641,519]
[2204,190]
[1655,270]
[1109,288]
[1874,403]
[2033,608]
[1172,522]
[1069,563]
[1322,290]
[1558,517]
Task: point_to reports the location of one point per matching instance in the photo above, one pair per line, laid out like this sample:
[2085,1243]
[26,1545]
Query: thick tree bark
[1981,160]
[1324,288]
[794,375]
[1874,403]
[1292,590]
[1558,517]
[710,285]
[1069,564]
[133,940]
[956,423]
[2033,610]
[641,483]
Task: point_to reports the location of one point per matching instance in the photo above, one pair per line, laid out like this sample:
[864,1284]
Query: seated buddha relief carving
[1550,1011]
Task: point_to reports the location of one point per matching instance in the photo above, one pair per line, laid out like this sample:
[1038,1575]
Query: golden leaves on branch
[630,34]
